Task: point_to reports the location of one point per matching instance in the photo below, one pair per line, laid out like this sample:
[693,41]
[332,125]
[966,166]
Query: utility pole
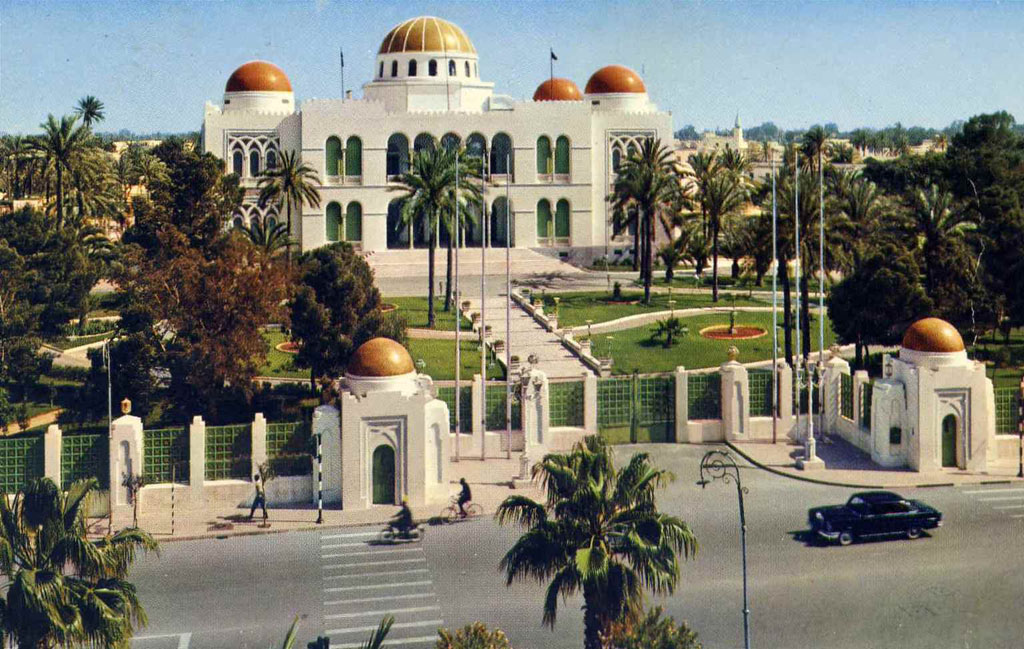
[458,313]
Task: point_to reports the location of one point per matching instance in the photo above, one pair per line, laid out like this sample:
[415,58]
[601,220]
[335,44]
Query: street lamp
[1020,432]
[719,465]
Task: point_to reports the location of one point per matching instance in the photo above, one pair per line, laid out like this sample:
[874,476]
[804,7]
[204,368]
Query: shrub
[651,631]
[617,291]
[472,636]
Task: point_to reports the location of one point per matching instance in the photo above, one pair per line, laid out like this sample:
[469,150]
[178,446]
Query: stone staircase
[413,263]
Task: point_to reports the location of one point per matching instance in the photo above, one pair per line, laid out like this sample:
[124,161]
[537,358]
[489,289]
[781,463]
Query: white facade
[365,136]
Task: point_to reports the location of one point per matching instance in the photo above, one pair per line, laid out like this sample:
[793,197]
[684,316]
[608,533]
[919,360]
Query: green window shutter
[562,155]
[333,156]
[354,222]
[354,157]
[543,219]
[562,219]
[543,155]
[333,221]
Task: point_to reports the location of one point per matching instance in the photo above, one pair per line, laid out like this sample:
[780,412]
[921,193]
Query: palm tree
[63,589]
[649,182]
[90,109]
[62,142]
[670,329]
[726,193]
[429,187]
[469,199]
[599,532]
[269,239]
[702,165]
[291,182]
[936,219]
[815,142]
[861,205]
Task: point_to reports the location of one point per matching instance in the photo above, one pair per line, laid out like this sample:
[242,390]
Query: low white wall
[705,430]
[761,428]
[1007,449]
[469,445]
[283,490]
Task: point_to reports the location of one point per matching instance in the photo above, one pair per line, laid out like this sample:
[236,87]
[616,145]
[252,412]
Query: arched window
[272,222]
[562,220]
[236,162]
[354,222]
[467,69]
[543,219]
[398,231]
[476,145]
[501,152]
[432,68]
[271,159]
[238,221]
[499,233]
[544,162]
[424,142]
[398,154]
[381,73]
[394,68]
[333,154]
[412,67]
[354,156]
[562,155]
[616,159]
[450,141]
[451,68]
[254,163]
[333,221]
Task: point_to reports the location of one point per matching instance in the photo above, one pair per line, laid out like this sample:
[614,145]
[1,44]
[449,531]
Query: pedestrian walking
[260,500]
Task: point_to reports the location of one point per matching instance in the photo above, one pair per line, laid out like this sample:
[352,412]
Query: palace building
[555,156]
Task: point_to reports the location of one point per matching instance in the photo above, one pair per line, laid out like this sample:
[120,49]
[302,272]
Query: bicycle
[451,513]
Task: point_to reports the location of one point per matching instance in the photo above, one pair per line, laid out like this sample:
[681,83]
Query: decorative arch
[254,163]
[353,156]
[333,221]
[271,158]
[424,142]
[501,154]
[237,222]
[398,232]
[543,220]
[563,221]
[354,222]
[476,145]
[500,235]
[398,154]
[562,156]
[237,163]
[332,153]
[383,473]
[545,163]
[450,141]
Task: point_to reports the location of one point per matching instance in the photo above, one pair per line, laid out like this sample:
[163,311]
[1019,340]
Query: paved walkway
[846,465]
[528,338]
[489,480]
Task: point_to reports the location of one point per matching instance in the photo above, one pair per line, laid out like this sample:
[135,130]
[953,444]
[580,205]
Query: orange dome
[380,357]
[557,90]
[933,335]
[258,76]
[427,34]
[614,78]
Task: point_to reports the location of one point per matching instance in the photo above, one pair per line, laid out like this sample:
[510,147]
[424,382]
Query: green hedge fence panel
[865,404]
[566,403]
[447,394]
[655,409]
[496,408]
[21,459]
[85,456]
[704,396]
[228,452]
[846,396]
[164,447]
[291,449]
[1007,410]
[761,402]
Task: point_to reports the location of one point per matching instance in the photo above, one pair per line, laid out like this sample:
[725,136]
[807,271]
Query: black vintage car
[873,513]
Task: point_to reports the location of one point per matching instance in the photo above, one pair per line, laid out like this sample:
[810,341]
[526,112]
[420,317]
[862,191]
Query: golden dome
[380,357]
[557,90]
[258,76]
[427,34]
[614,78]
[933,335]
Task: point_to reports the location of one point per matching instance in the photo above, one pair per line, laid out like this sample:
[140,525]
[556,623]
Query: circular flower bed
[288,347]
[385,307]
[739,332]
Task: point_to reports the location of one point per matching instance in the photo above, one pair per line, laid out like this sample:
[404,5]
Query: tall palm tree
[90,109]
[936,218]
[291,183]
[429,187]
[650,182]
[598,532]
[861,204]
[815,142]
[702,165]
[725,194]
[62,142]
[468,198]
[64,590]
[271,240]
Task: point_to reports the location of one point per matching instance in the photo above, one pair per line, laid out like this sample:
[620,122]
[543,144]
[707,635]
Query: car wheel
[845,538]
[914,533]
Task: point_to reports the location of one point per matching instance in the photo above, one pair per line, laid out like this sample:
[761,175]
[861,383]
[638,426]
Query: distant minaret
[737,135]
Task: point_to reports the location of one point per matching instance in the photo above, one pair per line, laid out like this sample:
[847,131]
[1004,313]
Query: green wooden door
[949,441]
[384,475]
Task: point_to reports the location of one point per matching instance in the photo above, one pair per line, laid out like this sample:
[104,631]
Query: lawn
[439,359]
[633,349]
[65,343]
[280,363]
[414,310]
[575,309]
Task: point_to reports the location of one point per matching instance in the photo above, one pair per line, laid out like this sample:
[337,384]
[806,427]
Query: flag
[342,57]
[553,57]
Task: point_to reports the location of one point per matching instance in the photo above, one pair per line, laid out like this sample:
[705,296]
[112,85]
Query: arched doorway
[949,426]
[384,475]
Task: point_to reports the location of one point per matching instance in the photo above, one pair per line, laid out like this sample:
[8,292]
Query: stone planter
[585,346]
[499,347]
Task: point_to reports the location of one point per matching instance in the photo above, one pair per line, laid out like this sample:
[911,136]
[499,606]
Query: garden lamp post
[719,465]
[1020,432]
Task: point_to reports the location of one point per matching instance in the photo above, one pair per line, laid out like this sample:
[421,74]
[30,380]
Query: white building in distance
[558,152]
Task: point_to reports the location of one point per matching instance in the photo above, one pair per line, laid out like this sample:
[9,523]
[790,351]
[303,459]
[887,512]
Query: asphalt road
[960,586]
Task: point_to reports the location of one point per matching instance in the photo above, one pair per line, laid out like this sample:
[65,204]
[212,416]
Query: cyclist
[464,497]
[402,522]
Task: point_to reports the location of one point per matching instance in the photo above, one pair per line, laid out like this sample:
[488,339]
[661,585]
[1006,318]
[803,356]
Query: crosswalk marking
[377,574]
[1008,507]
[389,643]
[367,600]
[334,566]
[361,554]
[351,535]
[414,609]
[999,498]
[335,546]
[993,491]
[341,589]
[1017,516]
[396,625]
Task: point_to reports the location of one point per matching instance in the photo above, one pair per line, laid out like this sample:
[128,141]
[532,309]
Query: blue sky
[854,63]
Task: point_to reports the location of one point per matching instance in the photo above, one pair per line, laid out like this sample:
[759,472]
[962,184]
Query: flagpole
[341,53]
[508,313]
[458,314]
[797,363]
[551,70]
[483,329]
[821,288]
[775,306]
